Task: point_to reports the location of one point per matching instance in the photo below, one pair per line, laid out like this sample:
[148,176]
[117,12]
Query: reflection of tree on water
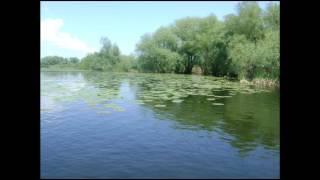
[60,74]
[253,120]
[250,119]
[195,112]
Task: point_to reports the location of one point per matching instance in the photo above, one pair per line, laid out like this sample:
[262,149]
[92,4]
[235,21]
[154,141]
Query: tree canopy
[244,45]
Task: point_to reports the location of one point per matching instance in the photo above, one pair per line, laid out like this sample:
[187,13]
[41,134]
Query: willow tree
[272,16]
[157,52]
[186,30]
[248,21]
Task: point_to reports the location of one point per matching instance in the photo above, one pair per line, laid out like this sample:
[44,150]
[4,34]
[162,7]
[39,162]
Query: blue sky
[73,29]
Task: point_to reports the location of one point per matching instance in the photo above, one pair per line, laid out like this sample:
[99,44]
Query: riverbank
[62,70]
[260,82]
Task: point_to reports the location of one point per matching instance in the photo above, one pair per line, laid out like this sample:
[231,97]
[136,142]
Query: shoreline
[61,70]
[259,82]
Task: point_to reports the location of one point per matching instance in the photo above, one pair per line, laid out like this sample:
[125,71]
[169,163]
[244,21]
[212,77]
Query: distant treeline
[246,45]
[55,60]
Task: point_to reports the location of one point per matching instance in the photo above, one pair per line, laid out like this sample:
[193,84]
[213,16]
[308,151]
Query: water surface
[122,125]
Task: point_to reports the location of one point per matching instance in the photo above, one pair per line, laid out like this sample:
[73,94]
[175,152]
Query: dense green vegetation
[246,45]
[59,63]
[108,58]
[56,60]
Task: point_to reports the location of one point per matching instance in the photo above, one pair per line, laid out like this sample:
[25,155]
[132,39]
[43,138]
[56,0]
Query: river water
[130,125]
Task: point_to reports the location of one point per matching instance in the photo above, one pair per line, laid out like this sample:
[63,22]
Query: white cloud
[51,32]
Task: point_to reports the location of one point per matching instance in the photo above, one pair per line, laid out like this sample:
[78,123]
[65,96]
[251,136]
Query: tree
[272,16]
[94,61]
[74,60]
[53,60]
[268,51]
[156,52]
[242,52]
[186,30]
[115,50]
[105,51]
[166,39]
[247,22]
[212,46]
[115,55]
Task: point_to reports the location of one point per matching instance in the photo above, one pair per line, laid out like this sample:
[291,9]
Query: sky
[74,29]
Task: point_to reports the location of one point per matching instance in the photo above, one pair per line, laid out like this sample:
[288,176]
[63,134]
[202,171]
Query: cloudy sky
[73,29]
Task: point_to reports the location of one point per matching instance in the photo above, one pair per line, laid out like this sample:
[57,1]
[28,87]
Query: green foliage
[213,47]
[244,45]
[56,61]
[269,55]
[251,60]
[109,58]
[186,30]
[53,60]
[94,61]
[126,64]
[243,55]
[158,60]
[272,16]
[248,21]
[74,60]
[157,52]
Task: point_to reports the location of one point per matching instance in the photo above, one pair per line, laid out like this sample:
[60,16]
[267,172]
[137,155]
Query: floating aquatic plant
[217,104]
[159,105]
[177,101]
[150,88]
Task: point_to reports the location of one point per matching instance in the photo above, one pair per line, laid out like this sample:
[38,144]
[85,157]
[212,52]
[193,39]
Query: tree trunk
[189,65]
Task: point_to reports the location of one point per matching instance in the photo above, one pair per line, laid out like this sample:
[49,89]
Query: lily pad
[177,101]
[211,99]
[210,95]
[147,100]
[218,104]
[223,96]
[159,105]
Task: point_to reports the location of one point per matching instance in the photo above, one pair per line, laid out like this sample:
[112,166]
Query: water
[117,125]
